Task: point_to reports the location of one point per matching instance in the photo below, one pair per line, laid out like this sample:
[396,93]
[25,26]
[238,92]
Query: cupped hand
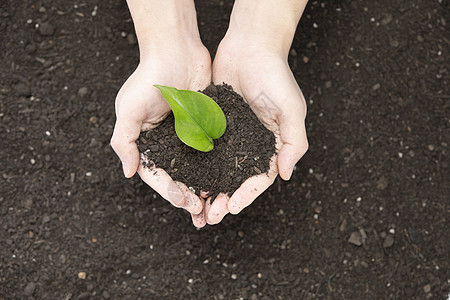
[140,107]
[261,75]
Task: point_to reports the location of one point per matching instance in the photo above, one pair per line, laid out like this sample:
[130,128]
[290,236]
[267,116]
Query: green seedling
[198,118]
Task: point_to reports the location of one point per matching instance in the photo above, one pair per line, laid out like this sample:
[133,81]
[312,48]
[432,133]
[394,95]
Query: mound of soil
[244,150]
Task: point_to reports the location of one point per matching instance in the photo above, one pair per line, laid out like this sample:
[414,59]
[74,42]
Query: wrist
[269,24]
[164,24]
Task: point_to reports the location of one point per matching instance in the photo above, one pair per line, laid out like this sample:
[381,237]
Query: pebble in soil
[243,151]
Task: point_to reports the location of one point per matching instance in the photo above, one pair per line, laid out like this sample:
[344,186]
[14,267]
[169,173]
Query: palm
[140,107]
[265,81]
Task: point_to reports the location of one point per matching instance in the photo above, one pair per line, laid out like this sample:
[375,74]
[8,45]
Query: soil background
[365,215]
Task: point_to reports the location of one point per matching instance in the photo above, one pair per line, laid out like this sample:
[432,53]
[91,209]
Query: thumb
[294,142]
[123,142]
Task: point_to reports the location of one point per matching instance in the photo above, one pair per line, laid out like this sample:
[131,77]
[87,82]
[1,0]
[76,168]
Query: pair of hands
[259,73]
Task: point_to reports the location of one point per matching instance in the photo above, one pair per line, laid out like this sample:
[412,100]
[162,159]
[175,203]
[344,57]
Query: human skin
[171,54]
[253,59]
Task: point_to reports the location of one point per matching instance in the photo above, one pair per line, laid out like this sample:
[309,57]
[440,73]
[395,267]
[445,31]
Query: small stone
[394,43]
[106,295]
[30,48]
[29,289]
[386,20]
[328,84]
[85,295]
[388,241]
[154,148]
[305,59]
[343,225]
[131,39]
[258,171]
[427,288]
[293,52]
[21,89]
[376,86]
[46,29]
[355,238]
[93,120]
[382,183]
[414,235]
[233,276]
[431,147]
[83,91]
[82,275]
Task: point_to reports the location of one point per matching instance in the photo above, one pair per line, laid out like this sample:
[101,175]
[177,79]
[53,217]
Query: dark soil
[244,150]
[365,215]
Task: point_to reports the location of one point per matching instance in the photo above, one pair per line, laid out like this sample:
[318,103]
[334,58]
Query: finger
[123,142]
[252,188]
[207,208]
[193,203]
[294,141]
[163,184]
[199,220]
[218,209]
[204,194]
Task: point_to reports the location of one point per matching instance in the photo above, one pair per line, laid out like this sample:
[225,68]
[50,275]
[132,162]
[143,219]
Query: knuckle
[302,149]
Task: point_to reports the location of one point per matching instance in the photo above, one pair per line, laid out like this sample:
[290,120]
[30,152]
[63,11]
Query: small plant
[198,118]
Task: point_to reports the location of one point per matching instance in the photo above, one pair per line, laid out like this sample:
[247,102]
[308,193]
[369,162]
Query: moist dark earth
[365,215]
[244,150]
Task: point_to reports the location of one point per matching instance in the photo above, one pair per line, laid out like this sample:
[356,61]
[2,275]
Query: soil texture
[364,216]
[244,150]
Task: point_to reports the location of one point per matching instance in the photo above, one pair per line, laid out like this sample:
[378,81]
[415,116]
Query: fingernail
[126,169]
[290,171]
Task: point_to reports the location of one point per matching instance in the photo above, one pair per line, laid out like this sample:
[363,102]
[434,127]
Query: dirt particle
[388,241]
[386,20]
[46,29]
[29,289]
[382,183]
[21,89]
[83,91]
[355,238]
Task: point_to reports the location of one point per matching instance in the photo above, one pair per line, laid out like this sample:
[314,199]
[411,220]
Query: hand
[140,107]
[261,74]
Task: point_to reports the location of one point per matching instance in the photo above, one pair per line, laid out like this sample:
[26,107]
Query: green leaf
[198,118]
